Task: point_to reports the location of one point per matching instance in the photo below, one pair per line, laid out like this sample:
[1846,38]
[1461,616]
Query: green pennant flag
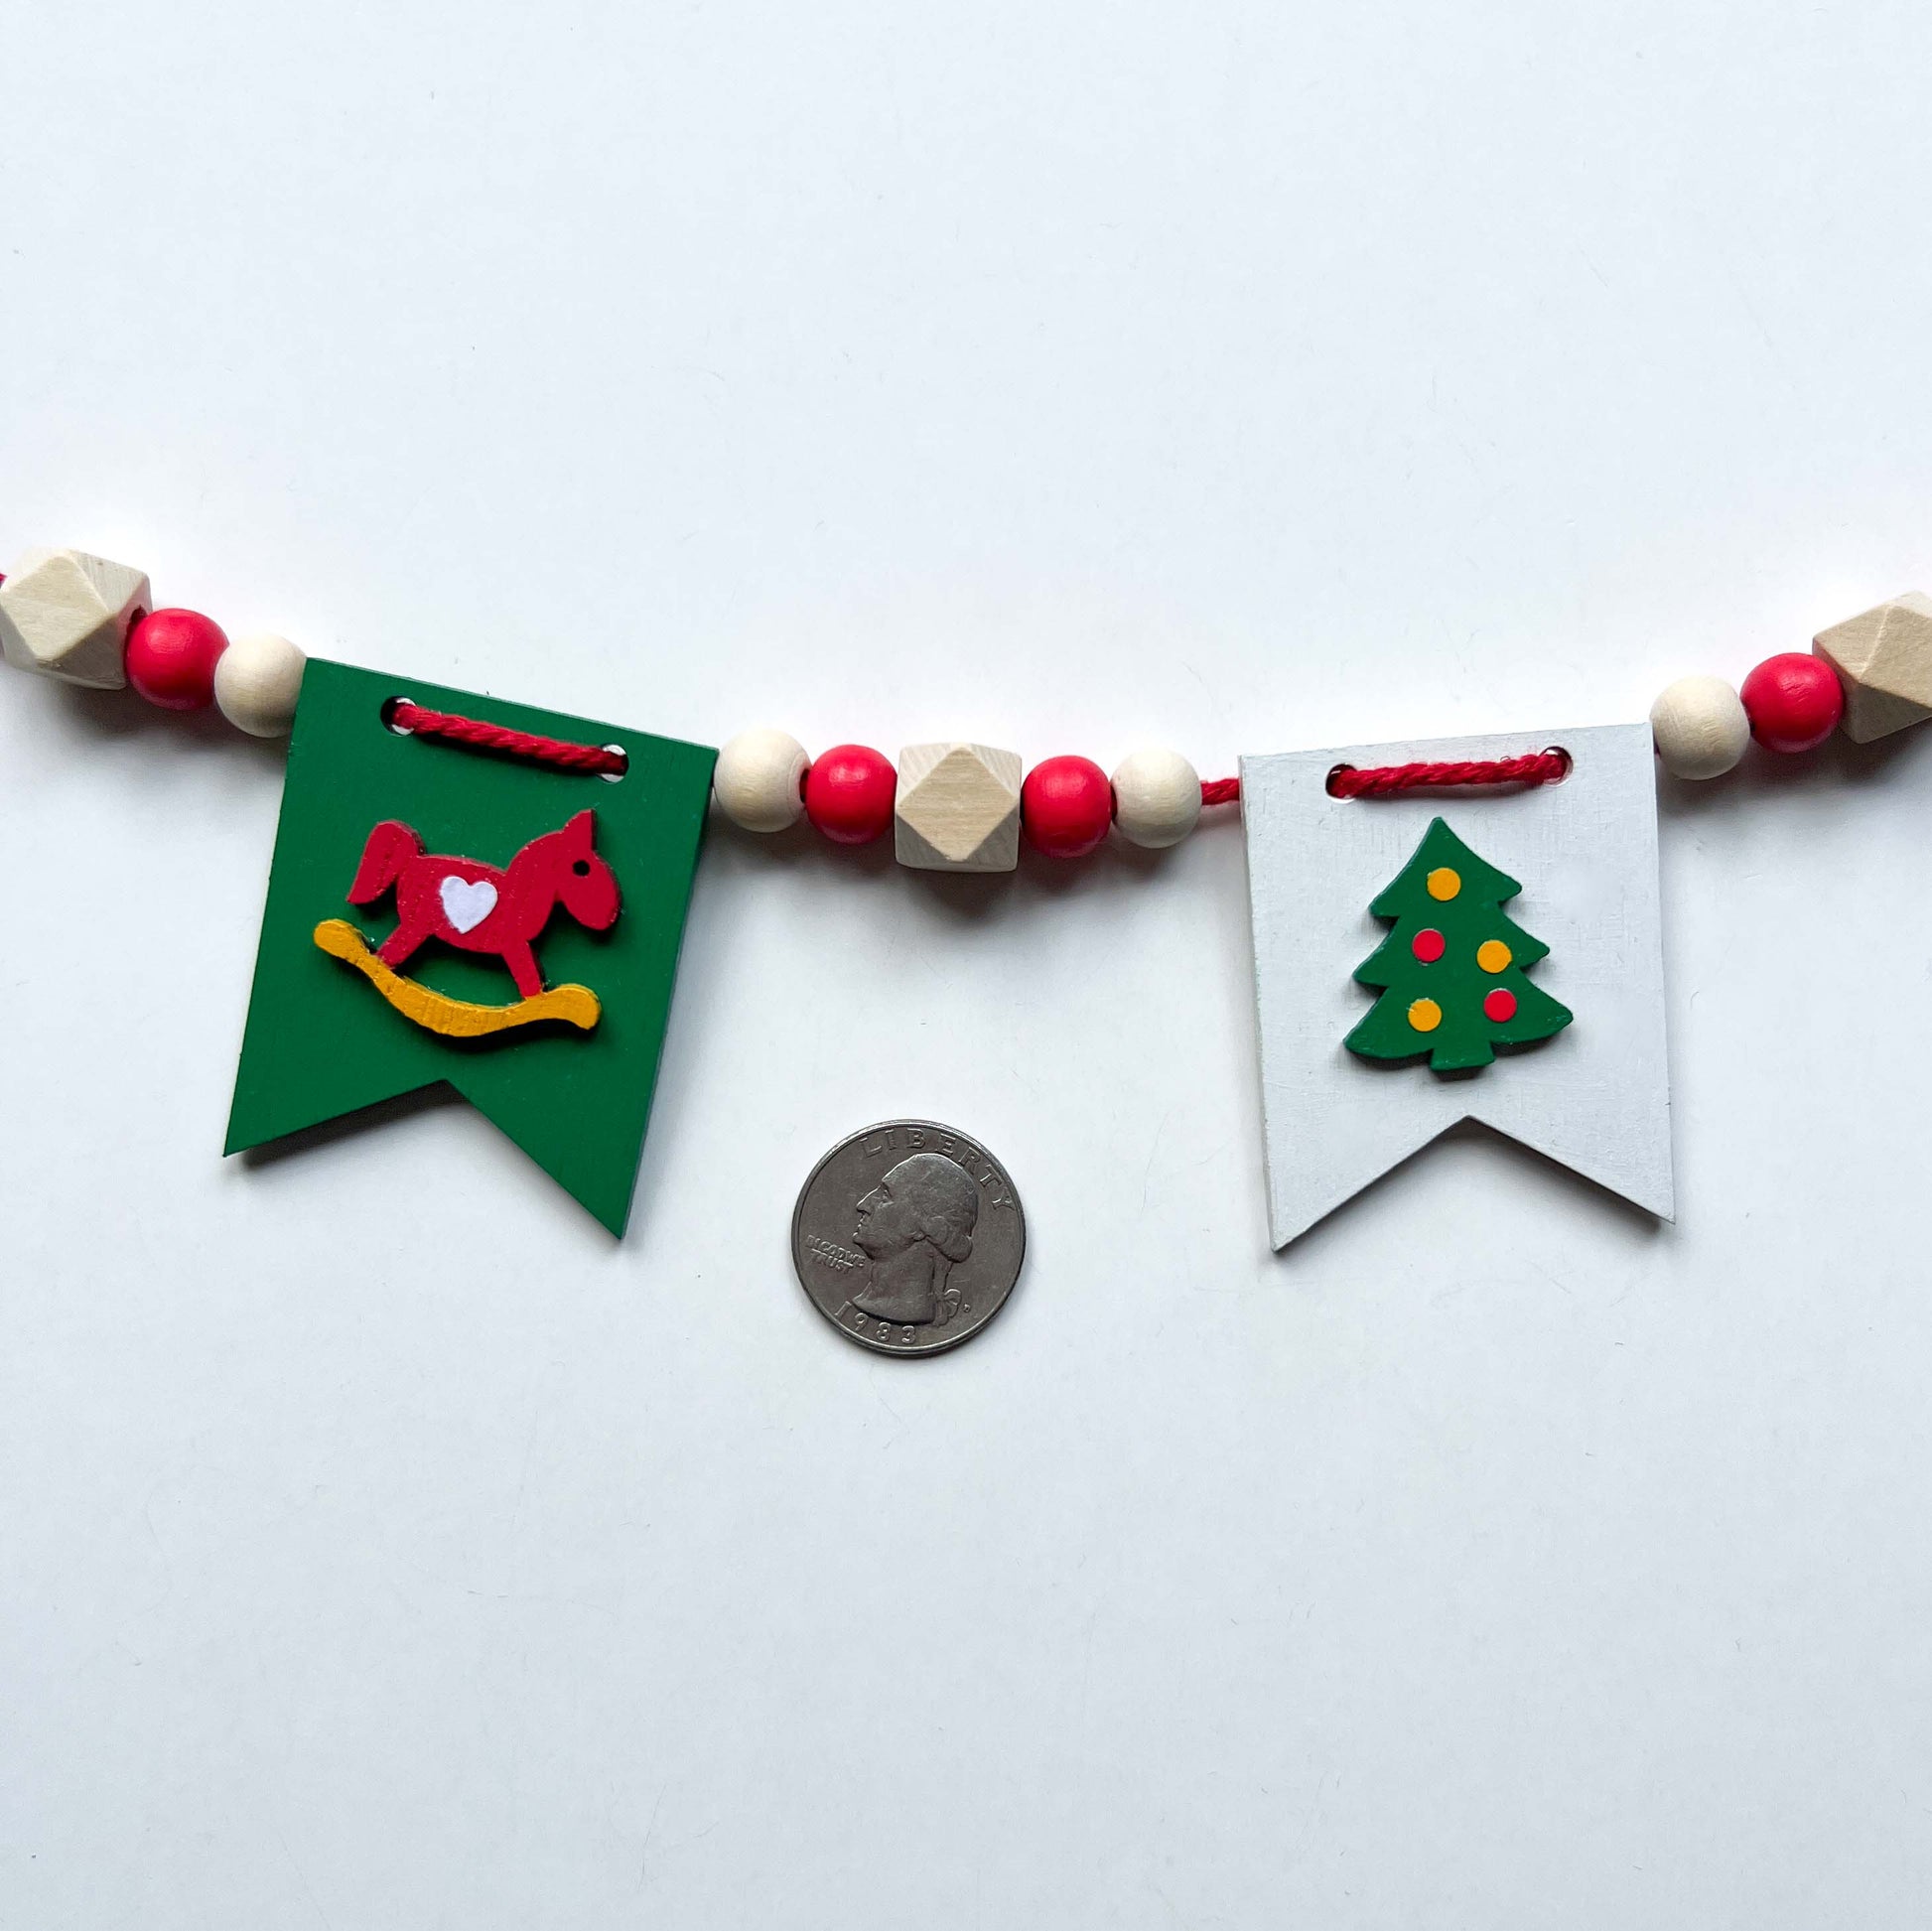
[499,939]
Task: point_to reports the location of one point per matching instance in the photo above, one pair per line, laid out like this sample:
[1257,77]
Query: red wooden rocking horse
[479,908]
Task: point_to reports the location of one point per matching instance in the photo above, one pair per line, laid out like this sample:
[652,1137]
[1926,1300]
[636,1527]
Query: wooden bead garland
[88,620]
[1869,676]
[956,806]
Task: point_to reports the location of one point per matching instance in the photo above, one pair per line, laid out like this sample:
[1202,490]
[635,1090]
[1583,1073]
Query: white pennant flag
[1593,1095]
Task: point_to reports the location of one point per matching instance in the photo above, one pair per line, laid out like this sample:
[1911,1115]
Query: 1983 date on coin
[908,1237]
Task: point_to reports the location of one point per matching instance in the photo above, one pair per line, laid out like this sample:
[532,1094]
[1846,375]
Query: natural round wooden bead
[256,683]
[1157,798]
[760,781]
[1700,727]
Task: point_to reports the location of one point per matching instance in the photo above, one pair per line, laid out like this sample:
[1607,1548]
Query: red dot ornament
[1428,945]
[1066,805]
[1499,1004]
[849,794]
[171,658]
[1794,701]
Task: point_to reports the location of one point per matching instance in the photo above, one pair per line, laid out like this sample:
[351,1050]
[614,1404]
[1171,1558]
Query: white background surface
[381,1546]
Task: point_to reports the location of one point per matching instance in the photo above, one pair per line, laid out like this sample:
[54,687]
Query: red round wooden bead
[849,794]
[171,658]
[1793,701]
[1066,805]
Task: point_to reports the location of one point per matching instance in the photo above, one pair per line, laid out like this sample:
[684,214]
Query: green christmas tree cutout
[1453,970]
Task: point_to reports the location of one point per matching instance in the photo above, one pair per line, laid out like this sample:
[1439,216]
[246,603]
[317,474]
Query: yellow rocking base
[455,1019]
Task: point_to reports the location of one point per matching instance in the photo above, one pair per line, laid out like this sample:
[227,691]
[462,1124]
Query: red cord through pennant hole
[1549,767]
[408,719]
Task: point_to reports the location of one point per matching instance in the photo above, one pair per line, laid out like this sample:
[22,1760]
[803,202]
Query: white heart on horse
[466,905]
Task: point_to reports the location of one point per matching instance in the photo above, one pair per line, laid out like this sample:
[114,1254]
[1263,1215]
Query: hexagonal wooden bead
[66,615]
[1883,658]
[957,808]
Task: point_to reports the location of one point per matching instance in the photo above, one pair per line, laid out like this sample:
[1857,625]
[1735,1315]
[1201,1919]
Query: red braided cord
[413,717]
[1380,781]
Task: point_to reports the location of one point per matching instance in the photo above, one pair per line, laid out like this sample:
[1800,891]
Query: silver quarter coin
[908,1237]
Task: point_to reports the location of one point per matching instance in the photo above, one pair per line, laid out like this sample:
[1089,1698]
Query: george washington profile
[915,1225]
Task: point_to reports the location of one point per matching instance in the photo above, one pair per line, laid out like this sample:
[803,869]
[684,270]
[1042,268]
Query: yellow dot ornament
[1424,1015]
[1445,882]
[1492,955]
